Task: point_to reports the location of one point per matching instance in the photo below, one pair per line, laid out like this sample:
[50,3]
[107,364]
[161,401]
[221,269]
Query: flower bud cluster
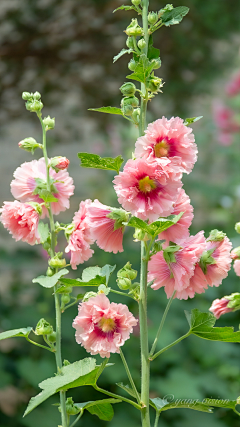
[29,144]
[129,103]
[125,277]
[49,123]
[57,261]
[134,29]
[33,104]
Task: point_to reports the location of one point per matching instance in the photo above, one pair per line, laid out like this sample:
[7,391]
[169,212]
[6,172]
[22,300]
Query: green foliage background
[64,49]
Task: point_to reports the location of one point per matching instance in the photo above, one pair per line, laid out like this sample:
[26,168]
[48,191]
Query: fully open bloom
[216,272]
[171,139]
[175,273]
[197,285]
[21,220]
[180,229]
[80,239]
[103,327]
[219,307]
[147,189]
[31,175]
[106,226]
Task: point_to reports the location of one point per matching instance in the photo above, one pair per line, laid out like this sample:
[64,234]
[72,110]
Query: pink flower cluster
[103,327]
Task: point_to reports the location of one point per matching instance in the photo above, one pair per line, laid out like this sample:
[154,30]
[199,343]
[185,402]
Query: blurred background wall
[64,50]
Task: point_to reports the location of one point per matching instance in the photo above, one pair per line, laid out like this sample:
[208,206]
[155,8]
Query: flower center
[146,185]
[107,325]
[161,149]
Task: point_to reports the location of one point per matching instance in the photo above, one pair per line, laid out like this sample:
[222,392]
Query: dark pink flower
[106,226]
[233,87]
[81,238]
[32,174]
[176,275]
[168,139]
[103,327]
[219,307]
[180,229]
[21,220]
[216,272]
[147,189]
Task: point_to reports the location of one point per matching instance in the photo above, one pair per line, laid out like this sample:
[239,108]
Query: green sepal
[123,51]
[108,110]
[206,259]
[102,408]
[142,70]
[49,282]
[94,161]
[155,227]
[174,16]
[123,7]
[22,332]
[191,120]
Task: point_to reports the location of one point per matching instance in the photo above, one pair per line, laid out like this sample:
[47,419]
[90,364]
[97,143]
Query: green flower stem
[169,346]
[122,293]
[116,396]
[156,419]
[102,367]
[129,376]
[161,324]
[39,345]
[57,303]
[78,418]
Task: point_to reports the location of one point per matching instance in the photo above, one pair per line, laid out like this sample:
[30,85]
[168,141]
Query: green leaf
[83,372]
[107,270]
[143,70]
[22,332]
[47,196]
[49,282]
[163,405]
[90,273]
[202,325]
[155,227]
[91,276]
[153,53]
[102,408]
[123,51]
[97,162]
[191,120]
[108,110]
[43,230]
[174,16]
[125,8]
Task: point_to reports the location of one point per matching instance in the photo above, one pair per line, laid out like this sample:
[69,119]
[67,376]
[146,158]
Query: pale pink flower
[236,266]
[103,327]
[147,189]
[171,139]
[197,285]
[21,220]
[233,87]
[219,307]
[81,238]
[25,182]
[175,276]
[180,229]
[102,228]
[222,257]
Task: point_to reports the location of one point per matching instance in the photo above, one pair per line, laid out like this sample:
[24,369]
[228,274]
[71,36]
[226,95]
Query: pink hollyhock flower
[107,226]
[216,272]
[236,266]
[180,229]
[103,327]
[233,87]
[176,275]
[224,118]
[80,238]
[32,174]
[219,307]
[147,189]
[21,220]
[197,285]
[168,138]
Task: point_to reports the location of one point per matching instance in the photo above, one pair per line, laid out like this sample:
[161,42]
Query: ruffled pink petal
[236,266]
[219,307]
[219,271]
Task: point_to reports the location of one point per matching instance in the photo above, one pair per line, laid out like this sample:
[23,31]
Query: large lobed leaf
[49,282]
[91,276]
[102,408]
[94,161]
[174,16]
[155,227]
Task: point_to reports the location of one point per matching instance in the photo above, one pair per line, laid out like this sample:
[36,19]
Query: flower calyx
[71,409]
[49,123]
[125,277]
[128,89]
[43,328]
[33,104]
[169,251]
[89,295]
[235,253]
[134,29]
[154,84]
[57,261]
[140,235]
[234,301]
[216,236]
[206,259]
[119,216]
[152,18]
[29,144]
[36,206]
[128,103]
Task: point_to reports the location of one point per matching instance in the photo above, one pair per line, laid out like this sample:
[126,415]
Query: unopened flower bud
[57,261]
[29,144]
[139,234]
[37,96]
[52,337]
[124,283]
[216,236]
[154,84]
[141,44]
[132,65]
[43,328]
[34,106]
[130,100]
[127,272]
[127,110]
[136,115]
[49,123]
[71,409]
[136,2]
[128,89]
[235,254]
[157,63]
[65,299]
[89,295]
[59,163]
[237,227]
[50,272]
[26,96]
[129,43]
[134,29]
[152,18]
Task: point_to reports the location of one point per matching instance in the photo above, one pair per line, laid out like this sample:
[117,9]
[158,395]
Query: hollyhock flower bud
[57,261]
[29,144]
[127,272]
[129,43]
[216,236]
[141,44]
[43,328]
[219,307]
[124,284]
[152,18]
[154,84]
[132,65]
[171,139]
[21,220]
[235,254]
[136,2]
[80,239]
[136,115]
[130,100]
[65,299]
[147,189]
[49,123]
[59,163]
[71,409]
[30,175]
[134,29]
[157,63]
[128,89]
[107,226]
[237,227]
[52,337]
[103,327]
[236,266]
